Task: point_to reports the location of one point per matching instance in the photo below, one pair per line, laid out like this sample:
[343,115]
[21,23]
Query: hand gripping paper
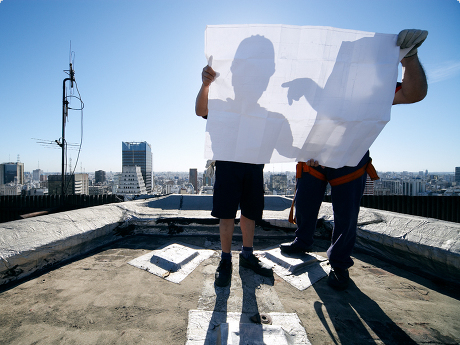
[292,93]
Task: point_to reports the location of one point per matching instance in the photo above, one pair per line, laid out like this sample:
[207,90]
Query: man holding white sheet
[237,183]
[347,183]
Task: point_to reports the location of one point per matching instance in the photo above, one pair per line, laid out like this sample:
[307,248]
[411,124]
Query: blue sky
[138,69]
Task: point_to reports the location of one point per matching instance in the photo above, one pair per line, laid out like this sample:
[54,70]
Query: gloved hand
[411,37]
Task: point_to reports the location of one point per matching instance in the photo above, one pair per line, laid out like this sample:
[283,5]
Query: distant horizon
[265,171]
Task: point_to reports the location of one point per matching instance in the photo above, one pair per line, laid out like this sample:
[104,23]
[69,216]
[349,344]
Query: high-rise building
[193,179]
[369,188]
[131,181]
[388,187]
[413,187]
[457,175]
[12,173]
[36,174]
[73,184]
[139,154]
[99,176]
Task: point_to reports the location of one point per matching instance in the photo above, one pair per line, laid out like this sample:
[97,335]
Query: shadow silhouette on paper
[338,108]
[241,129]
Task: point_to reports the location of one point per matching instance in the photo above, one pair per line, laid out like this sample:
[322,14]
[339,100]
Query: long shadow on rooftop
[351,311]
[398,268]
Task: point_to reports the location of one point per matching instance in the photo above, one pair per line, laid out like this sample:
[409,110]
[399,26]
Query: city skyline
[137,67]
[266,171]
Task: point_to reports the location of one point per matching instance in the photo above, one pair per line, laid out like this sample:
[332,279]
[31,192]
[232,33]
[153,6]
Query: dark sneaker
[293,248]
[253,263]
[223,273]
[338,278]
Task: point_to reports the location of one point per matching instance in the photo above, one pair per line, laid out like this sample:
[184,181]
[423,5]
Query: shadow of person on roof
[356,318]
[219,313]
[251,283]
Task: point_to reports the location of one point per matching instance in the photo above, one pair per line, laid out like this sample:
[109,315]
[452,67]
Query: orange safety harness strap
[368,167]
[303,167]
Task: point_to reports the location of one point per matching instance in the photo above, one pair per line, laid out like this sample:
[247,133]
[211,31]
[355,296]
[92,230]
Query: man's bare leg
[226,228]
[247,229]
[247,258]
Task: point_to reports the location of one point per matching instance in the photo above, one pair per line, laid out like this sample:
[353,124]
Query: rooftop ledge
[26,246]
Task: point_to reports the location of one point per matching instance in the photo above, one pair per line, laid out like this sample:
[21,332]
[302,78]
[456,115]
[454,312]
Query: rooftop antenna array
[65,113]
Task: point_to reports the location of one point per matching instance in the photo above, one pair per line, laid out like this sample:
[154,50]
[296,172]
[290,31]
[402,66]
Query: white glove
[411,37]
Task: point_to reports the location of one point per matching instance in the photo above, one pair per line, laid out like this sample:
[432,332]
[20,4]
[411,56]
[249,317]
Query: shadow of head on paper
[252,68]
[240,129]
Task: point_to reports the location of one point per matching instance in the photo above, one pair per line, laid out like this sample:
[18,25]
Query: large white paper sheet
[292,93]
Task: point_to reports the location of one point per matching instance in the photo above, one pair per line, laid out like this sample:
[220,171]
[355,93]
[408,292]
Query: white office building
[413,187]
[10,189]
[131,181]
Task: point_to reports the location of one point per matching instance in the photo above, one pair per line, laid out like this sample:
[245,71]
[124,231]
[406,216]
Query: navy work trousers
[346,199]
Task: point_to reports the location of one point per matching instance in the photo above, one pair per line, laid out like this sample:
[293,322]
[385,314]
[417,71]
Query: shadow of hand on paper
[301,87]
[356,318]
[345,107]
[241,129]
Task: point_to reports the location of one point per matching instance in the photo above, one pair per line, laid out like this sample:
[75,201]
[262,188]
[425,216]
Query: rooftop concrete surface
[66,278]
[27,245]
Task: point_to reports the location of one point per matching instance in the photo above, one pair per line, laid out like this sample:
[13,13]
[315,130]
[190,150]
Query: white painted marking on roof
[173,262]
[208,327]
[300,270]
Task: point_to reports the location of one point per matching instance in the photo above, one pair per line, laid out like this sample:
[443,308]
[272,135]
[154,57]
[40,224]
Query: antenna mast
[65,113]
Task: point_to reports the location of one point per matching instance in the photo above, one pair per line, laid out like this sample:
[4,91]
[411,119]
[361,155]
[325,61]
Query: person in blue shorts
[347,183]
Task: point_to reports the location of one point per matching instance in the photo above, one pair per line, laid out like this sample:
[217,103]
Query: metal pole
[65,110]
[64,114]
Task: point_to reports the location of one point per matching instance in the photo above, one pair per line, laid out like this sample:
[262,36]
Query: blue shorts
[238,184]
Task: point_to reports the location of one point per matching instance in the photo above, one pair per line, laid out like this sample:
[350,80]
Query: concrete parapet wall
[427,244]
[32,244]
